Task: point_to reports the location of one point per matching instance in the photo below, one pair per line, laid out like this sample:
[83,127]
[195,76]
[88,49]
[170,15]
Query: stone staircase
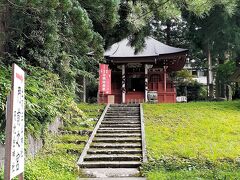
[117,140]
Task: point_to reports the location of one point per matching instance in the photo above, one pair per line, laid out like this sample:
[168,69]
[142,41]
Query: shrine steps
[117,140]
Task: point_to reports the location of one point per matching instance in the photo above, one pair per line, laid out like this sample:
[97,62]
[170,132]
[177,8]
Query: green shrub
[46,98]
[4,90]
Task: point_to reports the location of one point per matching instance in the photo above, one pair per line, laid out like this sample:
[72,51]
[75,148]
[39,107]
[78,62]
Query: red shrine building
[130,77]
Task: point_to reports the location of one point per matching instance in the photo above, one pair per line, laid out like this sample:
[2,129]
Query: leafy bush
[187,86]
[194,90]
[46,98]
[225,71]
[4,90]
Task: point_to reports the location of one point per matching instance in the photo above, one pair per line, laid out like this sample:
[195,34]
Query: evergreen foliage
[225,71]
[46,99]
[58,41]
[55,35]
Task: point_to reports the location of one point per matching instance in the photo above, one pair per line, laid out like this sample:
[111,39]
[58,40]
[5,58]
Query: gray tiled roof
[152,48]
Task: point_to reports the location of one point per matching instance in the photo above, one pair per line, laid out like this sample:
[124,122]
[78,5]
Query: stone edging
[144,151]
[84,152]
[34,144]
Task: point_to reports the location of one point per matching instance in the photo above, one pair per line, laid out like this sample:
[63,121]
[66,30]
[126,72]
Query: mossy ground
[91,110]
[183,139]
[66,138]
[53,163]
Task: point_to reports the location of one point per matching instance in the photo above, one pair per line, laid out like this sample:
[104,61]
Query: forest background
[51,40]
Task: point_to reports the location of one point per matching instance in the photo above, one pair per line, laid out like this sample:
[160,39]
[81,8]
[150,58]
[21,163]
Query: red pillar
[165,78]
[123,83]
[165,82]
[146,83]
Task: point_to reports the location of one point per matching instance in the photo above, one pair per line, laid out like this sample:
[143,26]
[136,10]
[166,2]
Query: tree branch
[158,6]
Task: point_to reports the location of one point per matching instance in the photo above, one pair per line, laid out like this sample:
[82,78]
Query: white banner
[17,117]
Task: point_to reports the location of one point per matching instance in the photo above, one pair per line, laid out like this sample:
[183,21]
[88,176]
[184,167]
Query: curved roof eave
[152,48]
[153,56]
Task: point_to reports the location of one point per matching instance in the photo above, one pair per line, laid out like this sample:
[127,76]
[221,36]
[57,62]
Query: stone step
[118,175]
[120,116]
[118,135]
[121,122]
[112,157]
[116,128]
[124,105]
[137,108]
[129,106]
[115,151]
[111,164]
[116,139]
[124,110]
[133,124]
[120,125]
[116,145]
[121,131]
[121,119]
[80,132]
[132,106]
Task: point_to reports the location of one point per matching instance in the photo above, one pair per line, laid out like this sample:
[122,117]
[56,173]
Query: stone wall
[2,153]
[34,145]
[53,128]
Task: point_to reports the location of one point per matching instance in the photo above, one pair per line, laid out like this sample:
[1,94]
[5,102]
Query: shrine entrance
[135,83]
[135,75]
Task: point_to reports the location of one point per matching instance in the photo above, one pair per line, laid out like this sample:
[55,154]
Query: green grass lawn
[183,139]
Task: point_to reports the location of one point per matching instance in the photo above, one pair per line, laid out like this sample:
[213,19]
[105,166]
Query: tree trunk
[229,93]
[4,15]
[220,84]
[236,93]
[210,75]
[84,89]
[218,88]
[168,32]
[81,81]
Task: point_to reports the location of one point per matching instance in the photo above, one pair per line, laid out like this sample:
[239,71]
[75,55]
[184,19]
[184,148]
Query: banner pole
[14,149]
[7,162]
